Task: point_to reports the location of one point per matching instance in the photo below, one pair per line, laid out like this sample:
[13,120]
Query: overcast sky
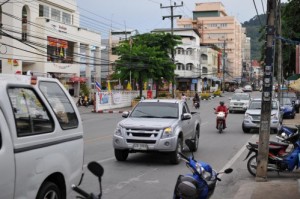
[146,15]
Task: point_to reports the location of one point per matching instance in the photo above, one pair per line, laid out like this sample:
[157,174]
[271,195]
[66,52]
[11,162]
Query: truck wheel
[49,190]
[174,156]
[121,155]
[246,130]
[196,140]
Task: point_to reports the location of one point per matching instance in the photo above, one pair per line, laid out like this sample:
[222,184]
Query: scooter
[278,159]
[201,183]
[220,121]
[287,131]
[96,169]
[197,104]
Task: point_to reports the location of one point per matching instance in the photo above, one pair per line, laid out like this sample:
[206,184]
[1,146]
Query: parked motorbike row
[283,155]
[84,101]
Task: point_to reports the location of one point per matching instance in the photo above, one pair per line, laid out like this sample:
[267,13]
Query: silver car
[253,113]
[239,102]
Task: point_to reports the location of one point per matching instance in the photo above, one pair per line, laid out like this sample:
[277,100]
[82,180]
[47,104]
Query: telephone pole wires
[266,106]
[172,16]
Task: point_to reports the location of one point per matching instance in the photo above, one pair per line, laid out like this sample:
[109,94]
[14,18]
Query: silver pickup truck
[160,125]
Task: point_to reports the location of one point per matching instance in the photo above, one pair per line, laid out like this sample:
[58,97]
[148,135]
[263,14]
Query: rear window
[155,110]
[31,115]
[257,105]
[60,104]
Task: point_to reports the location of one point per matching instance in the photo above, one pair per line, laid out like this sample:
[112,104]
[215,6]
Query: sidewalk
[282,186]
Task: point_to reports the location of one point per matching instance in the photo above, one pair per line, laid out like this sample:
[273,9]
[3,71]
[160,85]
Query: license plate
[140,146]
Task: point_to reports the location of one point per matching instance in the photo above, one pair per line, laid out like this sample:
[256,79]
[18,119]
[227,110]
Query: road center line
[236,156]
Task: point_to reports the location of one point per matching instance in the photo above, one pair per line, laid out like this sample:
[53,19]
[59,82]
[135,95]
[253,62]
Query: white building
[44,36]
[187,58]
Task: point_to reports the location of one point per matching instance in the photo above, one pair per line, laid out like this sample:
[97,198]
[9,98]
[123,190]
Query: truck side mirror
[186,116]
[125,114]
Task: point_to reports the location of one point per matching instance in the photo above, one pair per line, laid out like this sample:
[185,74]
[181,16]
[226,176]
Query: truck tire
[174,156]
[246,130]
[49,190]
[121,155]
[196,139]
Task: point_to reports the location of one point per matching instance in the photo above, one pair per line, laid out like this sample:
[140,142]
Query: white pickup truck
[160,125]
[41,139]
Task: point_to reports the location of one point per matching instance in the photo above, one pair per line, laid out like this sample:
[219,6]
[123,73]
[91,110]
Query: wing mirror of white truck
[186,116]
[125,114]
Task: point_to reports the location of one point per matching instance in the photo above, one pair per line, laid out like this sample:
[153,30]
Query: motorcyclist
[222,108]
[196,99]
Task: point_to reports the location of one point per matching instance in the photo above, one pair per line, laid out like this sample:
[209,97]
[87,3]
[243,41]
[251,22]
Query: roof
[162,100]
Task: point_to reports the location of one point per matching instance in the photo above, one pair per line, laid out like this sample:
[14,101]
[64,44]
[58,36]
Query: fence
[116,99]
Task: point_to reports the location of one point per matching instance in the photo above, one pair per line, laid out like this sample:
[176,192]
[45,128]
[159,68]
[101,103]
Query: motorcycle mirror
[96,169]
[190,144]
[229,170]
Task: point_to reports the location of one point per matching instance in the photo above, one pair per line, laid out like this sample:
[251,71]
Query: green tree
[146,56]
[291,31]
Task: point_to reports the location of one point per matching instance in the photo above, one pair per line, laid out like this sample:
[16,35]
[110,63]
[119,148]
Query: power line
[257,13]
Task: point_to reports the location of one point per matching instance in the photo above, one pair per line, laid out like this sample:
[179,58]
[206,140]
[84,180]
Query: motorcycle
[221,116]
[279,159]
[287,131]
[201,183]
[197,104]
[96,169]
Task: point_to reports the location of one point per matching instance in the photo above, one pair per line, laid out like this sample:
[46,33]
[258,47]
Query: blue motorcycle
[201,183]
[286,131]
[279,160]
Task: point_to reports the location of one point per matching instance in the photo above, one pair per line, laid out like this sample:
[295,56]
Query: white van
[41,139]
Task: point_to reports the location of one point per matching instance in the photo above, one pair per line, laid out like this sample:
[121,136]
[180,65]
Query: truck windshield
[155,110]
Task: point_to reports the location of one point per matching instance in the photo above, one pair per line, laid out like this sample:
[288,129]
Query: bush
[217,93]
[205,96]
[162,95]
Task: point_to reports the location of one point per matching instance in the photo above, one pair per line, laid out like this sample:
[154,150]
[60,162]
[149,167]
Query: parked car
[252,116]
[288,108]
[247,88]
[239,102]
[294,99]
[41,138]
[157,125]
[238,90]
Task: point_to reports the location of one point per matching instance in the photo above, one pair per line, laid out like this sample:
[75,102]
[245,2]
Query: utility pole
[172,16]
[279,69]
[266,106]
[224,62]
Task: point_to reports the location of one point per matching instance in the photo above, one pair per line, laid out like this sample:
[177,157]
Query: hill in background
[253,27]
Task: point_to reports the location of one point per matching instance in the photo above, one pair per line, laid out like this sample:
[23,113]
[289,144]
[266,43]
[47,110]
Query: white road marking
[235,157]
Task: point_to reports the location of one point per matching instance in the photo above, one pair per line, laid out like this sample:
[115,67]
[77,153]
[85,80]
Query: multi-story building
[187,58]
[44,36]
[217,28]
[246,59]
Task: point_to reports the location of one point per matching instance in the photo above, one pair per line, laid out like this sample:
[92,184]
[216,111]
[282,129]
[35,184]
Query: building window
[66,18]
[60,51]
[204,70]
[203,57]
[24,24]
[0,66]
[189,51]
[180,51]
[43,11]
[189,66]
[0,21]
[187,26]
[55,14]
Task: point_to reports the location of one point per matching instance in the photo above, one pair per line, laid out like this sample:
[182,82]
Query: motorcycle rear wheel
[252,165]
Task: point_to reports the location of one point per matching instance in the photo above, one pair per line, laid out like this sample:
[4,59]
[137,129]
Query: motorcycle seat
[271,147]
[279,143]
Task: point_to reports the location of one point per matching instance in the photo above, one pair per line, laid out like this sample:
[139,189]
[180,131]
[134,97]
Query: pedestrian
[183,97]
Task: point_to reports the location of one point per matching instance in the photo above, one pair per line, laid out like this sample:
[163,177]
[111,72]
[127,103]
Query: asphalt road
[150,175]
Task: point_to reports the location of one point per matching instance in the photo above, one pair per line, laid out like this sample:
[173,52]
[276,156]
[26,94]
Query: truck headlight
[274,116]
[247,116]
[118,131]
[167,132]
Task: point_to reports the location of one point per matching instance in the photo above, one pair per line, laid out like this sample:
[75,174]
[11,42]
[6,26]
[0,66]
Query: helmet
[221,103]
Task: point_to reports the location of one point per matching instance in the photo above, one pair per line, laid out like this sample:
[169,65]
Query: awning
[76,79]
[293,77]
